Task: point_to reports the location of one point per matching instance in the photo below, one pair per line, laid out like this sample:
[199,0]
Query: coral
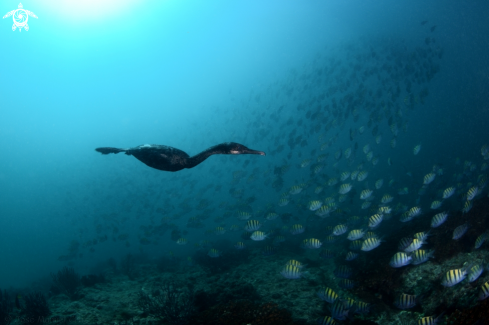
[425,280]
[35,309]
[128,266]
[112,264]
[406,318]
[399,318]
[67,281]
[375,278]
[242,312]
[169,302]
[225,292]
[6,308]
[445,247]
[479,314]
[92,279]
[167,264]
[224,263]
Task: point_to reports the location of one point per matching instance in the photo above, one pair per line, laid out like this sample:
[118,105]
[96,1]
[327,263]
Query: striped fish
[330,239]
[328,295]
[460,231]
[296,189]
[375,221]
[314,205]
[415,244]
[355,234]
[422,236]
[354,175]
[448,192]
[240,245]
[305,163]
[467,206]
[370,244]
[214,253]
[343,272]
[362,307]
[366,205]
[350,256]
[323,211]
[405,217]
[326,320]
[436,205]
[349,303]
[370,234]
[439,219]
[379,183]
[283,202]
[414,212]
[400,259]
[327,253]
[420,256]
[271,216]
[311,243]
[182,241]
[295,263]
[243,215]
[340,230]
[345,188]
[405,301]
[428,178]
[393,145]
[454,277]
[385,210]
[484,293]
[356,245]
[480,240]
[291,272]
[219,230]
[279,239]
[345,175]
[417,149]
[472,192]
[429,320]
[297,229]
[365,194]
[346,284]
[258,235]
[269,250]
[339,310]
[252,225]
[475,272]
[362,175]
[386,199]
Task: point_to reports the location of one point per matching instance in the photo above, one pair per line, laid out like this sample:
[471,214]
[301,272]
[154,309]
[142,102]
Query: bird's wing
[9,14]
[30,13]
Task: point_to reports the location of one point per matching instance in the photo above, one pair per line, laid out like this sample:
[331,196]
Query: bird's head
[238,149]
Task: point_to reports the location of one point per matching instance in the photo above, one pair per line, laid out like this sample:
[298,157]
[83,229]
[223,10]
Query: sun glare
[81,10]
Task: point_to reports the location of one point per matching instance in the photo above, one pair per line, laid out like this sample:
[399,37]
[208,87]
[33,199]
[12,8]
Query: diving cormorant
[173,159]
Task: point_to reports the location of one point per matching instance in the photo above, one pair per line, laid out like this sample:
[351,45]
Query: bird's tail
[107,150]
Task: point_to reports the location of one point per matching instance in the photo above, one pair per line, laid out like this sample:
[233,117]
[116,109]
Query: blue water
[188,74]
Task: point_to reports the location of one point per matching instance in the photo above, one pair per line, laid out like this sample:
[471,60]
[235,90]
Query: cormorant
[173,159]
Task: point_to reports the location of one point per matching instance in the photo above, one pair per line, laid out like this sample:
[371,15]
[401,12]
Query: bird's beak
[255,152]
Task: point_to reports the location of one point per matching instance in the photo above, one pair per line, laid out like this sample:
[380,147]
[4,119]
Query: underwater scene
[230,162]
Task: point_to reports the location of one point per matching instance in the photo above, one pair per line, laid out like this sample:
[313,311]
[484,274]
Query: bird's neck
[197,159]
